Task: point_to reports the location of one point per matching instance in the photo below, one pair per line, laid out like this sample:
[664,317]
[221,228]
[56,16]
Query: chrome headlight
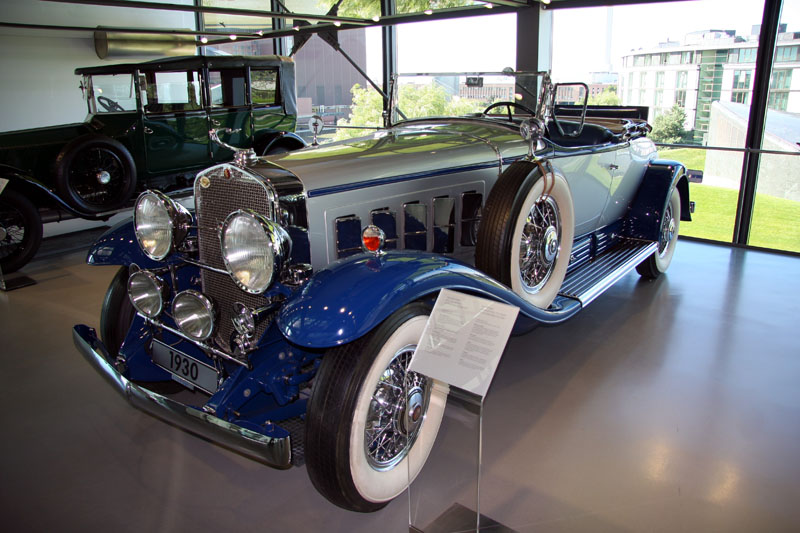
[194,314]
[160,223]
[147,293]
[254,249]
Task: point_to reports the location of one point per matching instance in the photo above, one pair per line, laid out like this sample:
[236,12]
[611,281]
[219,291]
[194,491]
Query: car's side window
[228,87]
[169,92]
[264,87]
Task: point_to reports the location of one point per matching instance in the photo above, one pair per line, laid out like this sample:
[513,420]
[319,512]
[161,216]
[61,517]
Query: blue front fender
[118,246]
[350,297]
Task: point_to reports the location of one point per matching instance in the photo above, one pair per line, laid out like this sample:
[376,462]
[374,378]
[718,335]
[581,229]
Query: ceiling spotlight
[488,6]
[204,39]
[260,33]
[337,23]
[376,18]
[428,11]
[546,2]
[233,37]
[296,28]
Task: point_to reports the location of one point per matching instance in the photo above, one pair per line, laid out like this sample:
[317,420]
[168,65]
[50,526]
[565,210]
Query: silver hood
[409,148]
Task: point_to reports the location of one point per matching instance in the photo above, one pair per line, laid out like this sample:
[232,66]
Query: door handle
[215,122]
[148,130]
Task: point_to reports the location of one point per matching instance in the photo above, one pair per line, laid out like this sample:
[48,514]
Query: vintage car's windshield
[112,93]
[453,94]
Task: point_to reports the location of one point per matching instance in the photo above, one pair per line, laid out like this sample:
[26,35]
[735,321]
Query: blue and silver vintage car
[292,298]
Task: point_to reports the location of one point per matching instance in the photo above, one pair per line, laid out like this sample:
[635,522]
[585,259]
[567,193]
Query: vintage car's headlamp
[147,293]
[254,249]
[161,224]
[194,314]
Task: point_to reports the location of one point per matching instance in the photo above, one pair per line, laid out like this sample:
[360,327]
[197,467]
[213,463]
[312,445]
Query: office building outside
[708,66]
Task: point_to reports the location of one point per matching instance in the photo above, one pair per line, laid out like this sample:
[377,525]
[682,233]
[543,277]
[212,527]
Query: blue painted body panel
[651,200]
[118,246]
[349,298]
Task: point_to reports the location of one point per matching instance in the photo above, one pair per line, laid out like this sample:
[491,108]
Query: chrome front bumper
[276,452]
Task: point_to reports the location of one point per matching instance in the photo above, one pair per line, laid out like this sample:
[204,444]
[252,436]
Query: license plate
[185,368]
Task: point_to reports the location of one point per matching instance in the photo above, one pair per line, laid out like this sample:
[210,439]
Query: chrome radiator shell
[219,191]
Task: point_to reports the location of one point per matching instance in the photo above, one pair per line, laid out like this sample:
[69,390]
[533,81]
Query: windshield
[453,94]
[112,93]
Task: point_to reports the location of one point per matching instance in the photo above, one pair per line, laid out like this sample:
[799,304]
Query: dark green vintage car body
[148,126]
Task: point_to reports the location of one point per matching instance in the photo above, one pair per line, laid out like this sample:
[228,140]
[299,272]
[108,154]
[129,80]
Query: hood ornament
[242,157]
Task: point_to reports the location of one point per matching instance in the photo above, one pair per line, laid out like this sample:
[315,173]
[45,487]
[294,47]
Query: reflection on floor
[665,406]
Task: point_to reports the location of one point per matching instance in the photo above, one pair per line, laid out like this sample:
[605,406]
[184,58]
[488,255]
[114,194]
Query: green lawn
[776,221]
[692,158]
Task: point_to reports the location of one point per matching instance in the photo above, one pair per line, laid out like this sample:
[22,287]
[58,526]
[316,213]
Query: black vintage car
[148,126]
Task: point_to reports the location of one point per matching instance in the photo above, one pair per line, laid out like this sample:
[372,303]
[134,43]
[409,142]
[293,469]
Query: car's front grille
[219,192]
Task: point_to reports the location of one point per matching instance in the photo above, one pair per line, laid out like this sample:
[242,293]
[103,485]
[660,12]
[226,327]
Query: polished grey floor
[664,406]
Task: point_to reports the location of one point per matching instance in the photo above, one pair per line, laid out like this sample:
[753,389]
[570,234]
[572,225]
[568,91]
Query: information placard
[463,340]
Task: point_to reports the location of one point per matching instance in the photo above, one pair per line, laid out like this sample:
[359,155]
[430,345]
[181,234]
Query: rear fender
[350,297]
[644,216]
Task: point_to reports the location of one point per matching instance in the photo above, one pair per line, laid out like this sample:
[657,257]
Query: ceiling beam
[151,31]
[392,20]
[132,4]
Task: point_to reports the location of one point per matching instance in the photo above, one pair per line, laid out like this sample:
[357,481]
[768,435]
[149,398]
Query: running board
[591,280]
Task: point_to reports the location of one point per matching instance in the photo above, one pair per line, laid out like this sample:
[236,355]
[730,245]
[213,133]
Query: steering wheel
[509,105]
[109,104]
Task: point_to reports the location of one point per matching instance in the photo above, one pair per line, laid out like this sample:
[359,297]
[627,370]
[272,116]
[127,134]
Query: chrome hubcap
[668,226]
[396,412]
[103,177]
[539,244]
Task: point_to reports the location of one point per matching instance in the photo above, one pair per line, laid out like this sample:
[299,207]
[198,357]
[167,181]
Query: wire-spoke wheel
[95,174]
[20,231]
[370,423]
[659,262]
[525,237]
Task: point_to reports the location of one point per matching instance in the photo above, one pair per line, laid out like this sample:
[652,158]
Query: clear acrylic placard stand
[462,344]
[15,282]
[445,496]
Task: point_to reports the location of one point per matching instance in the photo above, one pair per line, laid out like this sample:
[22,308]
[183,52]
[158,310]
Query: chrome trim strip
[196,263]
[203,346]
[275,452]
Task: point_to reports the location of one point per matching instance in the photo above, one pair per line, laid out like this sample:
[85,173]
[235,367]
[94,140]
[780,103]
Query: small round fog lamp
[147,292]
[194,314]
[373,239]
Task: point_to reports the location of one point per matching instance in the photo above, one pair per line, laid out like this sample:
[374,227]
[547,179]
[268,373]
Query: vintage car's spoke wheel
[116,314]
[659,262]
[371,424]
[95,174]
[20,231]
[525,237]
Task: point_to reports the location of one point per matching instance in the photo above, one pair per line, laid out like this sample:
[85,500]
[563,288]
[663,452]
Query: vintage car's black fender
[350,297]
[275,142]
[34,189]
[644,216]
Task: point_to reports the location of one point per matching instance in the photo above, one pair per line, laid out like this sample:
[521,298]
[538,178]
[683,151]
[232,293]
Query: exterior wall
[38,87]
[778,175]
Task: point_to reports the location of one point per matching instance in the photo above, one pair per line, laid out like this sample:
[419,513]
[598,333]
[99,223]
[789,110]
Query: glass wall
[693,71]
[776,215]
[225,26]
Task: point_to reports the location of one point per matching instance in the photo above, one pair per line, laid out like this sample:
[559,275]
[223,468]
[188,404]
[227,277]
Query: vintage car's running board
[272,451]
[591,280]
